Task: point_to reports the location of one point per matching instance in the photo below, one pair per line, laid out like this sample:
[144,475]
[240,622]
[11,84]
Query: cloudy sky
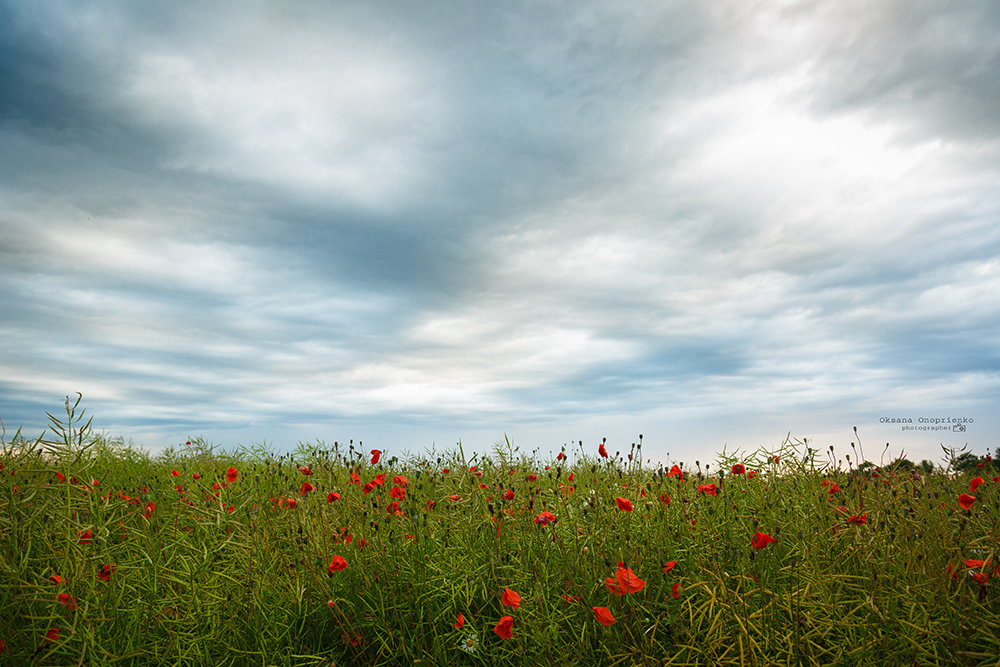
[417,223]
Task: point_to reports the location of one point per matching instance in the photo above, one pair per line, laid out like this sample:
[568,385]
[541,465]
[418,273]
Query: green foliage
[868,566]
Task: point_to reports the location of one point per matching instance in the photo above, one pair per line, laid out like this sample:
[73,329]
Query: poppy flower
[56,580]
[510,599]
[393,508]
[195,475]
[85,536]
[664,499]
[333,495]
[376,455]
[761,540]
[305,470]
[668,566]
[459,622]
[231,474]
[509,495]
[504,628]
[675,590]
[560,456]
[975,482]
[570,599]
[369,487]
[751,474]
[305,488]
[61,477]
[337,564]
[859,519]
[965,500]
[150,508]
[52,635]
[545,518]
[738,469]
[453,497]
[398,492]
[624,504]
[445,471]
[603,615]
[104,572]
[379,479]
[676,471]
[707,488]
[400,480]
[628,581]
[602,451]
[67,600]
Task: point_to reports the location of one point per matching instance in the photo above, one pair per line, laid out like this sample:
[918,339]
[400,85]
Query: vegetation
[335,556]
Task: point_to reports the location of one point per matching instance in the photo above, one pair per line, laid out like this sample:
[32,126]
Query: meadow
[343,555]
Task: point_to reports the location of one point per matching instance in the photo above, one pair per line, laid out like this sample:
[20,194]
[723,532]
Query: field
[333,555]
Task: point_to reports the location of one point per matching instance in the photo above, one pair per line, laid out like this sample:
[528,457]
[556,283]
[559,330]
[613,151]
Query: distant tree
[927,467]
[966,462]
[902,466]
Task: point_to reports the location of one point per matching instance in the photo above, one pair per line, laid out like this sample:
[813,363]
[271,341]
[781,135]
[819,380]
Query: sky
[715,224]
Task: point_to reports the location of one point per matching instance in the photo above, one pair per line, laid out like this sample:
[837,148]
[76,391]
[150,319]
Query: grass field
[335,556]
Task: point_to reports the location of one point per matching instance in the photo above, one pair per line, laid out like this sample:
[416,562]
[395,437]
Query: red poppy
[664,499]
[603,615]
[668,566]
[675,590]
[150,508]
[61,477]
[52,635]
[369,487]
[738,469]
[975,482]
[446,471]
[859,519]
[545,518]
[68,600]
[196,475]
[379,479]
[560,456]
[570,599]
[376,455]
[459,622]
[231,474]
[628,581]
[453,497]
[751,474]
[175,473]
[305,488]
[56,580]
[400,480]
[965,500]
[602,451]
[707,488]
[333,495]
[305,470]
[104,572]
[624,504]
[509,495]
[504,628]
[85,536]
[761,540]
[337,564]
[398,492]
[510,599]
[393,508]
[676,471]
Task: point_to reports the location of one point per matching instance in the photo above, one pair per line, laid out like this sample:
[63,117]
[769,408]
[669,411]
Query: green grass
[232,576]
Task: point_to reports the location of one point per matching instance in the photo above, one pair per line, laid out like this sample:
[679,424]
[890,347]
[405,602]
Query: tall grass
[205,569]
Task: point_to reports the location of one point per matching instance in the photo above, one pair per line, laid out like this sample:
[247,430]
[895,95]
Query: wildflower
[231,474]
[510,599]
[195,475]
[337,564]
[398,492]
[738,469]
[56,580]
[602,451]
[624,504]
[707,488]
[675,590]
[369,487]
[676,472]
[570,599]
[400,480]
[545,518]
[459,622]
[761,540]
[61,477]
[858,520]
[453,497]
[376,455]
[52,635]
[604,616]
[305,488]
[67,600]
[85,535]
[668,566]
[975,482]
[333,495]
[509,495]
[628,581]
[470,643]
[104,572]
[965,500]
[393,508]
[664,499]
[560,456]
[504,627]
[446,471]
[751,474]
[150,508]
